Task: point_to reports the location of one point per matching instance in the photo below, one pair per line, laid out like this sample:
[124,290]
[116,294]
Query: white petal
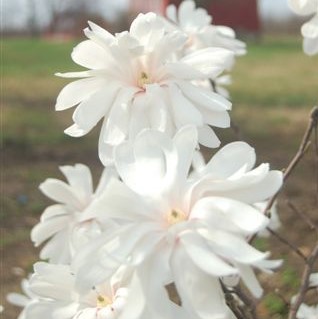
[207,137]
[203,257]
[18,299]
[200,293]
[90,111]
[77,91]
[232,247]
[210,61]
[116,129]
[171,12]
[46,229]
[80,178]
[59,192]
[183,110]
[222,164]
[90,55]
[246,217]
[204,97]
[186,141]
[310,28]
[147,28]
[310,46]
[303,7]
[250,280]
[154,166]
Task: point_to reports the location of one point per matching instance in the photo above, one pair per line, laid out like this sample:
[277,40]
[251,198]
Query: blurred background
[274,88]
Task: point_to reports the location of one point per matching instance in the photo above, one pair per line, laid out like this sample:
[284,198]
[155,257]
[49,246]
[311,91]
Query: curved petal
[222,164]
[60,192]
[90,111]
[200,293]
[207,137]
[80,178]
[90,55]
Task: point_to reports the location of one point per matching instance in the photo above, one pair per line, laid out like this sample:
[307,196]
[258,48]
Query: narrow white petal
[90,111]
[222,164]
[59,191]
[204,97]
[250,280]
[204,258]
[310,46]
[90,55]
[210,61]
[77,91]
[244,216]
[207,137]
[183,110]
[200,293]
[80,178]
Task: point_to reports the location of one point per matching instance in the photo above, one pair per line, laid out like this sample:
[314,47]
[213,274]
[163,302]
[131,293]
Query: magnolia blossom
[310,29]
[55,296]
[173,221]
[137,80]
[196,23]
[65,226]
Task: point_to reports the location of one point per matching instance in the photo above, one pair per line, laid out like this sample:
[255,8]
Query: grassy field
[274,87]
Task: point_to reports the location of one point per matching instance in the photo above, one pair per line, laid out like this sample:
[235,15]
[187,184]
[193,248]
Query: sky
[15,12]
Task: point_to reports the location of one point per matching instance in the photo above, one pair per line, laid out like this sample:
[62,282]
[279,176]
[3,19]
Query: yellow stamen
[103,301]
[144,79]
[176,216]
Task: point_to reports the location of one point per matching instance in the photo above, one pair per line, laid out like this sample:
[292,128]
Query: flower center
[176,216]
[103,301]
[143,79]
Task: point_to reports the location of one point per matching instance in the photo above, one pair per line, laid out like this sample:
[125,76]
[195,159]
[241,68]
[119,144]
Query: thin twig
[249,302]
[306,218]
[304,283]
[288,243]
[304,145]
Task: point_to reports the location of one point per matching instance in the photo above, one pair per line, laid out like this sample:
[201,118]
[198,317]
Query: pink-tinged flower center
[176,216]
[103,301]
[143,80]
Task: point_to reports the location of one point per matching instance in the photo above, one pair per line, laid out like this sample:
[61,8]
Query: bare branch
[304,145]
[304,283]
[288,243]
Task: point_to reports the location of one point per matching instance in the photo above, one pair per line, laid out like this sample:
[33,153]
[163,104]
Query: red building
[241,15]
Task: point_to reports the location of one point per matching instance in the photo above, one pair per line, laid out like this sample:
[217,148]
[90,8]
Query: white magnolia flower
[136,80]
[310,29]
[181,229]
[23,300]
[196,23]
[57,296]
[65,224]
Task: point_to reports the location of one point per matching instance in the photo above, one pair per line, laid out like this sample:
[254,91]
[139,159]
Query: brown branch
[288,243]
[248,301]
[304,145]
[304,283]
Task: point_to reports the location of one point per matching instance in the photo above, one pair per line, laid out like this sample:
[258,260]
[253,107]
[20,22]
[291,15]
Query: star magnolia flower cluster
[159,216]
[310,29]
[138,80]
